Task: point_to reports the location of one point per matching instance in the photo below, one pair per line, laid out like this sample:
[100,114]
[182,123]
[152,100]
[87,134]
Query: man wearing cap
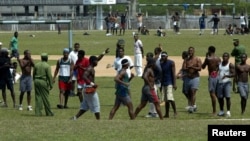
[138,55]
[43,84]
[65,68]
[237,51]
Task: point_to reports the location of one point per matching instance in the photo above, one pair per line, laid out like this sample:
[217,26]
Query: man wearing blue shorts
[212,62]
[242,74]
[26,65]
[192,66]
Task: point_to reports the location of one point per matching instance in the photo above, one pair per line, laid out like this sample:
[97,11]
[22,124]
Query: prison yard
[24,125]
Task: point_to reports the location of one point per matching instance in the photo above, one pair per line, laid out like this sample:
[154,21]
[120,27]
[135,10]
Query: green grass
[23,125]
[96,42]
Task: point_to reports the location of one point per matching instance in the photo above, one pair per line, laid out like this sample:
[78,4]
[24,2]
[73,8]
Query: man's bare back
[212,63]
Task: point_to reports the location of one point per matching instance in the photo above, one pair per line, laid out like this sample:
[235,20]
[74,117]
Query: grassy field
[23,125]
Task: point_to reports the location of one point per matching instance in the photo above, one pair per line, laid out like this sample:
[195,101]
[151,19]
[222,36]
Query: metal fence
[39,2]
[89,23]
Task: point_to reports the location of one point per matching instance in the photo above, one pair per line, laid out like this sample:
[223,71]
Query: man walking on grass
[212,62]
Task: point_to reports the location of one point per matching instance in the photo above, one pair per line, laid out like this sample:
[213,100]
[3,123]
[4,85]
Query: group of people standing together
[159,76]
[112,23]
[220,73]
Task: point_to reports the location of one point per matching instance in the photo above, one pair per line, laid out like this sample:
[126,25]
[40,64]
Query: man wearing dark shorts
[122,80]
[148,91]
[6,78]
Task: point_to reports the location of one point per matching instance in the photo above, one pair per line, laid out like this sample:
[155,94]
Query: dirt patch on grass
[101,69]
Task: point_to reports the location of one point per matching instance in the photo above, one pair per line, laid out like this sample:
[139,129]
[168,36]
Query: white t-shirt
[118,65]
[73,56]
[242,20]
[137,45]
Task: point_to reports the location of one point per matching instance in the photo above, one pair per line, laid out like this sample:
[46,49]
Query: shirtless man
[212,62]
[139,21]
[148,91]
[192,66]
[242,74]
[26,65]
[91,99]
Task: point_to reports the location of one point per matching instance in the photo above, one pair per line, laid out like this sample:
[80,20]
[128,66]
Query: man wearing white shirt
[73,55]
[138,54]
[121,56]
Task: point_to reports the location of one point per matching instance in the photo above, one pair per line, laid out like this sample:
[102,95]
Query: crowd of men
[75,70]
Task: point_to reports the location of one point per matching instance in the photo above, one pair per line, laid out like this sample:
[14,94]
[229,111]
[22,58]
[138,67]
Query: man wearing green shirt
[236,53]
[14,45]
[43,83]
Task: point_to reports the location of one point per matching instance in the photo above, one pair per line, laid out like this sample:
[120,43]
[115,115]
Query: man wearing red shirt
[81,64]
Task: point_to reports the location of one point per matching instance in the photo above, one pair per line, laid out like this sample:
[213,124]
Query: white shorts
[91,102]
